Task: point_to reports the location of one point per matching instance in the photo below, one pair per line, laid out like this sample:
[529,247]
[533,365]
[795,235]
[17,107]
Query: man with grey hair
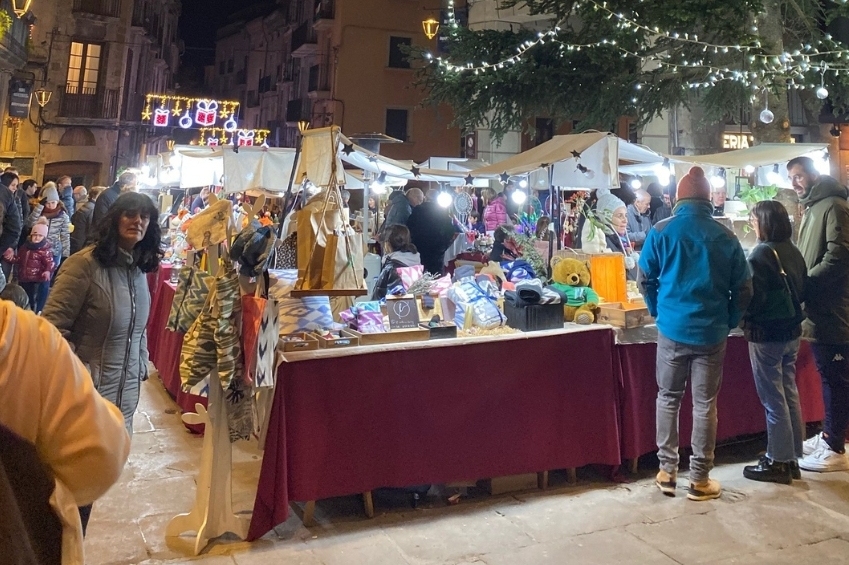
[639,222]
[399,208]
[125,183]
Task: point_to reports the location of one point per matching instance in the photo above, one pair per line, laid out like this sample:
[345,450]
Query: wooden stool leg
[542,480]
[572,473]
[633,465]
[368,502]
[309,514]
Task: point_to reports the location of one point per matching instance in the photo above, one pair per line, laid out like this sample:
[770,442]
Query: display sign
[403,313]
[19,97]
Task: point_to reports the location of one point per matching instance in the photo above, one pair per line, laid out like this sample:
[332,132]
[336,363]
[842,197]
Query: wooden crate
[397,336]
[308,343]
[624,315]
[344,341]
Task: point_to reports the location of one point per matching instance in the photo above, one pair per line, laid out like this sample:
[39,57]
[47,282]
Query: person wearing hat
[697,285]
[53,211]
[35,265]
[609,231]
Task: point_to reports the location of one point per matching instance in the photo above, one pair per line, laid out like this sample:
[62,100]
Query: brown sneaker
[666,482]
[706,490]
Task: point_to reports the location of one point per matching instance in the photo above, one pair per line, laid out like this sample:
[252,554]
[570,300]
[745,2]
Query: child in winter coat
[35,265]
[58,223]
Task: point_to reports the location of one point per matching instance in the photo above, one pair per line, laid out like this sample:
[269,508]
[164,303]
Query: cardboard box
[624,315]
[510,483]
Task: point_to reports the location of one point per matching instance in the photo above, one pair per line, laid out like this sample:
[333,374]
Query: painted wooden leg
[542,480]
[368,502]
[572,475]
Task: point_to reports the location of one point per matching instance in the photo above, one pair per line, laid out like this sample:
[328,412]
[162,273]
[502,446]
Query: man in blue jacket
[697,285]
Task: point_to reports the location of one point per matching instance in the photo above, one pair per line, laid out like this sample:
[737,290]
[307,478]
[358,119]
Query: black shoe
[795,472]
[769,472]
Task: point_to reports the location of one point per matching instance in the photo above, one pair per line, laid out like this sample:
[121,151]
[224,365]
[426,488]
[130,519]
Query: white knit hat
[607,203]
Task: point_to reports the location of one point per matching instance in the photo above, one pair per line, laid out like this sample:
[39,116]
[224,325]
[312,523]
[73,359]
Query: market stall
[434,412]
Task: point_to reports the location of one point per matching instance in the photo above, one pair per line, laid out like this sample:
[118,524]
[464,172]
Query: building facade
[335,62]
[97,58]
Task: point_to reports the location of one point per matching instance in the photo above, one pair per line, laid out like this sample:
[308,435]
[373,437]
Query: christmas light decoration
[216,136]
[192,112]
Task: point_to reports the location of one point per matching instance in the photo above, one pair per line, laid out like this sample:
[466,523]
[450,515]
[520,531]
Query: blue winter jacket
[694,275]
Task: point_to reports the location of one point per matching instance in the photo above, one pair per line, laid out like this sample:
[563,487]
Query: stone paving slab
[594,522]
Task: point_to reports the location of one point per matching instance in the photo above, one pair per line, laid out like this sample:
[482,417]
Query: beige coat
[77,433]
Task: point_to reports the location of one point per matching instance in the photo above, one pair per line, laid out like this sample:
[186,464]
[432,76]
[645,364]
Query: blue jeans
[678,363]
[37,293]
[774,368]
[833,366]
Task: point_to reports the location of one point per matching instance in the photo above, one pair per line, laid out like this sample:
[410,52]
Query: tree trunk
[771,31]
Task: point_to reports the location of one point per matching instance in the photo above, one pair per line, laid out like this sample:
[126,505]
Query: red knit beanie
[694,185]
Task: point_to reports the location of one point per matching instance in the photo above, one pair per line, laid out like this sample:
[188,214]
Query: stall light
[774,177]
[636,184]
[519,197]
[749,169]
[444,199]
[823,165]
[717,181]
[523,183]
[663,174]
[379,184]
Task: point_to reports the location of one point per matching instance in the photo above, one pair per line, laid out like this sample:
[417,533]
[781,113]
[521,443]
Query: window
[83,68]
[222,67]
[397,56]
[544,130]
[230,66]
[396,123]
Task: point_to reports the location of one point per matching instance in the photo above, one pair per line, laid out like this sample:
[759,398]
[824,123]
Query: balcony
[96,104]
[109,8]
[253,99]
[298,110]
[304,41]
[324,12]
[265,85]
[318,85]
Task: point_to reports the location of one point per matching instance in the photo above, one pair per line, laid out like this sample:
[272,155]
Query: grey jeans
[702,365]
[774,368]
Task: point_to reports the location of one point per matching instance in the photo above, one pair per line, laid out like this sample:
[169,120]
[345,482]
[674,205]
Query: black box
[445,330]
[536,317]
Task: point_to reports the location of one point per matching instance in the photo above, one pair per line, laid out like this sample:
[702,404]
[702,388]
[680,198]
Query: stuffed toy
[571,278]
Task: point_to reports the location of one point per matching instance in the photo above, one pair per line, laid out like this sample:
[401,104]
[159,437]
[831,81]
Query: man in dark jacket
[697,285]
[399,208]
[125,183]
[639,222]
[13,221]
[66,193]
[431,231]
[82,218]
[824,243]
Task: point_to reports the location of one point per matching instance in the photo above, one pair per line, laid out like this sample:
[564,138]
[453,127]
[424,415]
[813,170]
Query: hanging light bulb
[444,199]
[749,169]
[518,197]
[774,177]
[523,183]
[822,93]
[636,184]
[717,181]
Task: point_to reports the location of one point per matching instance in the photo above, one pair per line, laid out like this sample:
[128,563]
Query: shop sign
[737,140]
[19,97]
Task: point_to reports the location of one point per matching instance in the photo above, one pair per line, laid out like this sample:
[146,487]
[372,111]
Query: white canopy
[252,168]
[755,156]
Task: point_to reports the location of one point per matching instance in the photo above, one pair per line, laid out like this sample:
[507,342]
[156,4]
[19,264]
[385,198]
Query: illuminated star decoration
[576,154]
[347,148]
[469,179]
[146,114]
[505,178]
[416,172]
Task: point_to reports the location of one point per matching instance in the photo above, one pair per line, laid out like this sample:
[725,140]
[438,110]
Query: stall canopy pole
[557,229]
[289,196]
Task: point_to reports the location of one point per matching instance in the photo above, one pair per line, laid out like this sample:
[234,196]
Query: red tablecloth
[739,409]
[435,415]
[164,347]
[155,281]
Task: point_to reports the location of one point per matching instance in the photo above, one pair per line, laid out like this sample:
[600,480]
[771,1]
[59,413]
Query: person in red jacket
[35,265]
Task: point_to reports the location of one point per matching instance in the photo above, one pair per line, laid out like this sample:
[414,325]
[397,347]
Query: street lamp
[42,96]
[303,126]
[21,7]
[431,27]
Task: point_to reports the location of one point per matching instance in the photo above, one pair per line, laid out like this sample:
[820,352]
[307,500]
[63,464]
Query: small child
[35,265]
[475,223]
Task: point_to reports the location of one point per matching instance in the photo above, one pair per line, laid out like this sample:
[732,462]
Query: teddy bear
[571,278]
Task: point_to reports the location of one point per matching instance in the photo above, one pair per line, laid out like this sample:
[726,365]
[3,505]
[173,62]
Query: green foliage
[532,256]
[751,195]
[598,85]
[5,22]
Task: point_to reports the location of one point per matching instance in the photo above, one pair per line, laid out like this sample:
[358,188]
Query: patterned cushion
[301,314]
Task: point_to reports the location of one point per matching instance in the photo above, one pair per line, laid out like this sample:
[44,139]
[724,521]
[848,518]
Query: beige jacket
[48,399]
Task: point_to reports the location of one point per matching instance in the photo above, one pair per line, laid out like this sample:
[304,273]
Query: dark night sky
[200,20]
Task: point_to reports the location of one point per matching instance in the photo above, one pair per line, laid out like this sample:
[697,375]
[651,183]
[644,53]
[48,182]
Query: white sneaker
[812,444]
[824,460]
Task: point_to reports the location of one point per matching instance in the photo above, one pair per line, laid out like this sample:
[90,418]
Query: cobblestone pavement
[594,522]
